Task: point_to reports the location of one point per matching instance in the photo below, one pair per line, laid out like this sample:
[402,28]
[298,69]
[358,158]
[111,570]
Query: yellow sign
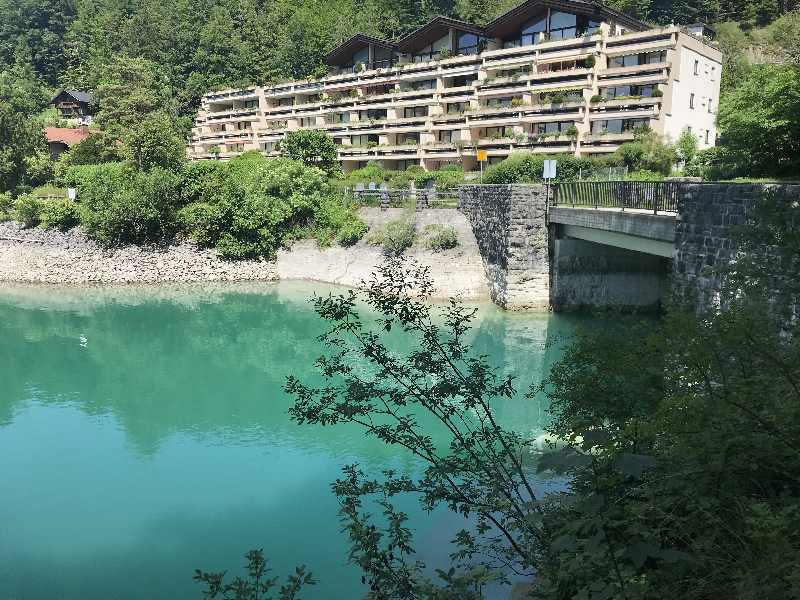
[482,155]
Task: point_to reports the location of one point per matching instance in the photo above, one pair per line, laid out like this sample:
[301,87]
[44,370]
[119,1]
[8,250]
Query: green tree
[760,121]
[22,142]
[128,90]
[647,152]
[153,142]
[686,146]
[312,147]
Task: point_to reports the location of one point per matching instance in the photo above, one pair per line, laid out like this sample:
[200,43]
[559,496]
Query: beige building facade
[549,76]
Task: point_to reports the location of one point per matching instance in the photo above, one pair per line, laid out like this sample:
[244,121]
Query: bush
[6,206]
[313,147]
[118,205]
[525,167]
[58,214]
[596,98]
[395,236]
[447,178]
[337,220]
[263,204]
[647,152]
[27,209]
[645,175]
[440,237]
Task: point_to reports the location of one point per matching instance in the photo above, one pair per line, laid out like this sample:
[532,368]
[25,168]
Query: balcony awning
[433,30]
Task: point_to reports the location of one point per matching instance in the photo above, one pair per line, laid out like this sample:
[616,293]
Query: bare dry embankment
[54,257]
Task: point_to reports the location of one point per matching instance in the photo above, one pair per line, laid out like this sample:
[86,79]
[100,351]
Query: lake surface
[144,433]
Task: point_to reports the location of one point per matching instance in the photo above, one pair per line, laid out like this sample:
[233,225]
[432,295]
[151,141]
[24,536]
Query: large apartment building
[549,76]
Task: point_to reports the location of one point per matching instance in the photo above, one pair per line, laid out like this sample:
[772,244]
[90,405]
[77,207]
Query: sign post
[548,174]
[482,156]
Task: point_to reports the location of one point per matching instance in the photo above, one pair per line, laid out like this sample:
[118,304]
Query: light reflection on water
[144,433]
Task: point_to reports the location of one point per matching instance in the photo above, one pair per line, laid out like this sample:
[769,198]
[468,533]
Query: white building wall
[694,97]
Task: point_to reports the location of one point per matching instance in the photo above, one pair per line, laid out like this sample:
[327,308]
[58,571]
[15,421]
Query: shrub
[261,205]
[590,62]
[440,237]
[657,93]
[312,147]
[571,131]
[525,167]
[336,219]
[647,152]
[596,98]
[58,214]
[446,178]
[645,175]
[121,206]
[27,209]
[395,236]
[6,206]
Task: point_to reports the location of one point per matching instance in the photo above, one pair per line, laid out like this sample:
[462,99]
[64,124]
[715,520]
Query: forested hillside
[148,62]
[186,47]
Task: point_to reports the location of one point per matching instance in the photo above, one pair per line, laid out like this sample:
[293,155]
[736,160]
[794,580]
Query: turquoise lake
[144,433]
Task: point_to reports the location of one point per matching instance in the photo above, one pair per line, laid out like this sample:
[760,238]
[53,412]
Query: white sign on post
[549,169]
[71,193]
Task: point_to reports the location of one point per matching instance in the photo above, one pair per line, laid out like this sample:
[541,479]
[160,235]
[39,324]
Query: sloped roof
[344,51]
[433,30]
[66,135]
[77,95]
[511,21]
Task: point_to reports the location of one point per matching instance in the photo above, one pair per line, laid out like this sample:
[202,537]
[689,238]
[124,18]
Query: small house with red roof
[60,139]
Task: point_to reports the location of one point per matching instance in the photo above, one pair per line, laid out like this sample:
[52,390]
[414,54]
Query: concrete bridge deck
[631,229]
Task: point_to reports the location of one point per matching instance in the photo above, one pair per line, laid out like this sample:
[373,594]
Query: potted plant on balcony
[571,132]
[445,53]
[590,62]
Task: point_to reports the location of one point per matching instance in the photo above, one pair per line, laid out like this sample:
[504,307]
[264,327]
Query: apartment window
[708,136]
[373,114]
[407,138]
[425,84]
[415,111]
[432,51]
[342,117]
[455,108]
[460,81]
[242,125]
[504,102]
[618,125]
[494,133]
[553,128]
[710,110]
[286,102]
[362,140]
[634,60]
[449,136]
[621,91]
[308,121]
[697,67]
[533,32]
[691,100]
[251,104]
[469,43]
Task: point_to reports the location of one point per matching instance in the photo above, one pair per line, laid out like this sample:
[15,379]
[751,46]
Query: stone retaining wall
[705,235]
[510,226]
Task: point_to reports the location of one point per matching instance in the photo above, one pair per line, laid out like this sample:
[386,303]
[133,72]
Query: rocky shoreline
[46,256]
[50,256]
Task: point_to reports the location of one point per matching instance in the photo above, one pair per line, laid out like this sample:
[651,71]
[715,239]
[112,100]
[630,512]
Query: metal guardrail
[643,195]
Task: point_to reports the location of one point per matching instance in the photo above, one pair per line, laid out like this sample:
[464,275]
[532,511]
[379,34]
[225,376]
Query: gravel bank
[50,256]
[55,257]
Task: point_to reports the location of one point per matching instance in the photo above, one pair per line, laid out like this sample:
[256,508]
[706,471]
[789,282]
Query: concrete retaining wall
[509,223]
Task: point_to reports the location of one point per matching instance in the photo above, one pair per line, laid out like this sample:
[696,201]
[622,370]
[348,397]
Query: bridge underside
[610,258]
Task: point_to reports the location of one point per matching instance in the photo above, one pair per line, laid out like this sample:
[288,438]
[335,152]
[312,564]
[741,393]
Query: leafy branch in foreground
[479,474]
[257,585]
